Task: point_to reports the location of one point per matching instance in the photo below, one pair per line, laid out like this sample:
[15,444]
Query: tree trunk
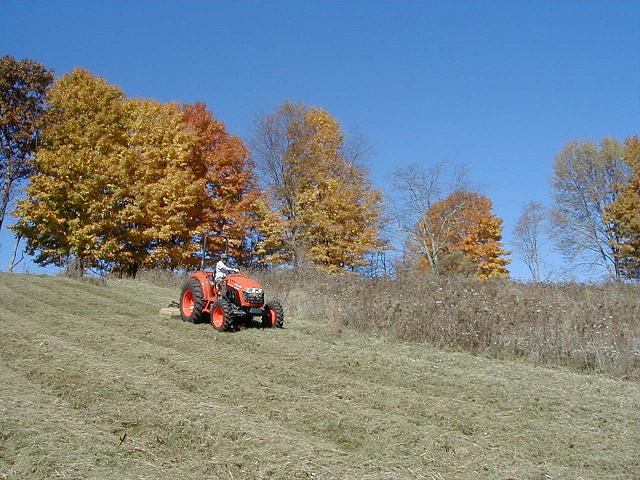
[12,262]
[4,200]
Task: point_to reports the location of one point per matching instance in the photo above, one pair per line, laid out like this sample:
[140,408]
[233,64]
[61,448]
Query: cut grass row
[97,385]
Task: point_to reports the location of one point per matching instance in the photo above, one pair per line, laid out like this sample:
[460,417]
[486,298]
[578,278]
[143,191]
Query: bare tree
[584,184]
[528,237]
[356,149]
[417,190]
[271,140]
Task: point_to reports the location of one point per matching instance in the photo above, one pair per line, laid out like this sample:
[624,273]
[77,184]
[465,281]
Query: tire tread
[277,306]
[198,315]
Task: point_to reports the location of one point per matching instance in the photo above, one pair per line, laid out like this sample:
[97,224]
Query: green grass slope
[95,384]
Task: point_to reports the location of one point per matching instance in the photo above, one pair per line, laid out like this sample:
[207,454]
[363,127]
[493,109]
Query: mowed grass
[95,384]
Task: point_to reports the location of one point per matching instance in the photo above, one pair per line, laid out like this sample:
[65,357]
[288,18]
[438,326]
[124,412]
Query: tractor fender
[207,289]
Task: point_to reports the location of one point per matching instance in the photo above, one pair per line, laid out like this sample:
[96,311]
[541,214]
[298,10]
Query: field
[95,384]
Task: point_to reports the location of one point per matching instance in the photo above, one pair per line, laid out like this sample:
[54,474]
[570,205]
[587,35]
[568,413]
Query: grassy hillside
[95,384]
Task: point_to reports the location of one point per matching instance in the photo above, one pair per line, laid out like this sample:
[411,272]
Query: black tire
[193,288]
[273,307]
[221,318]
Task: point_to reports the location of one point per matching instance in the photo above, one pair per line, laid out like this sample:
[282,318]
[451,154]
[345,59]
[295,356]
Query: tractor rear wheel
[273,316]
[192,302]
[221,318]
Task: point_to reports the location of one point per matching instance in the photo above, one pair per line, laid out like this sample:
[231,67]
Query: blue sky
[497,86]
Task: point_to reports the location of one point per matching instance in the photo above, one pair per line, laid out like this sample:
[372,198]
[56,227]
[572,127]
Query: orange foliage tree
[470,235]
[225,164]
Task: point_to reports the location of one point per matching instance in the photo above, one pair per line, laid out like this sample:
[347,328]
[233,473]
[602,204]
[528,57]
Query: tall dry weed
[589,327]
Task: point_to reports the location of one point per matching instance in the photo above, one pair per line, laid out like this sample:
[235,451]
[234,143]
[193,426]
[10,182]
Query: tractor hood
[240,281]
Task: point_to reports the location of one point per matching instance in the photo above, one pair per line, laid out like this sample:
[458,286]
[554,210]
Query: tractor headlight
[253,296]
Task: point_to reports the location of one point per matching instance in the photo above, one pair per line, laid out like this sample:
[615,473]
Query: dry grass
[593,328]
[96,385]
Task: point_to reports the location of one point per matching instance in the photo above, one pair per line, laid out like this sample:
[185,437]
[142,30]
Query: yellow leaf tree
[69,198]
[623,215]
[341,225]
[158,194]
[323,209]
[584,182]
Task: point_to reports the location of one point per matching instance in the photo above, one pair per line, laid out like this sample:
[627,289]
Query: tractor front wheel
[192,302]
[221,315]
[273,316]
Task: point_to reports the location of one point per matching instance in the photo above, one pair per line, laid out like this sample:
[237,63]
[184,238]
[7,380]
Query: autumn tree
[114,188]
[124,184]
[70,197]
[320,206]
[584,184]
[157,195]
[624,215]
[528,237]
[225,164]
[341,221]
[23,88]
[417,191]
[471,235]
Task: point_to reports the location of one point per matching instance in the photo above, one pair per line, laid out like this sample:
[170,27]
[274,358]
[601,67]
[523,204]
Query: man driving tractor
[222,270]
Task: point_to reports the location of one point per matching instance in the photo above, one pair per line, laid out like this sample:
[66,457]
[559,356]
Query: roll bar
[204,246]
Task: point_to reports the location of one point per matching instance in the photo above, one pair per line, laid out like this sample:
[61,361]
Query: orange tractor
[227,301]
